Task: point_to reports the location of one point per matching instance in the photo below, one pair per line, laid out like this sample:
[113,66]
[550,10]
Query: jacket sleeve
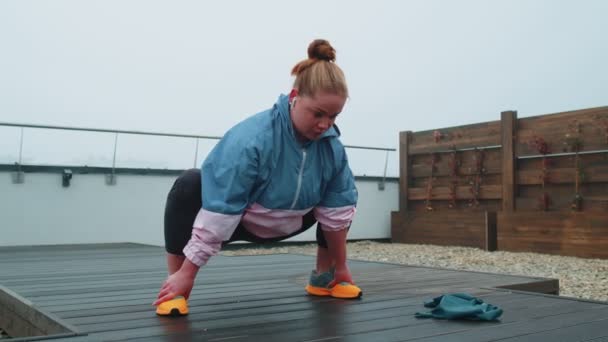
[228,175]
[338,205]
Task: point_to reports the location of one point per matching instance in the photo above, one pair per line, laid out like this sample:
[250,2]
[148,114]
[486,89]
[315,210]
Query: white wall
[40,211]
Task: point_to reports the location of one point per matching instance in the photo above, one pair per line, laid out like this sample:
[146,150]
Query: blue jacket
[260,175]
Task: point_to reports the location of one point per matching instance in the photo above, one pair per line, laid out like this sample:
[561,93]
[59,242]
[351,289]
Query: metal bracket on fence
[18,176]
[382,183]
[66,177]
[196,154]
[111,177]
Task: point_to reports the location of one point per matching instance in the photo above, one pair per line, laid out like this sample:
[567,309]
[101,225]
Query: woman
[272,176]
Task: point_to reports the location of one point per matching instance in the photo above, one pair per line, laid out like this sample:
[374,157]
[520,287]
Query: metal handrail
[116,132]
[163,134]
[562,154]
[102,130]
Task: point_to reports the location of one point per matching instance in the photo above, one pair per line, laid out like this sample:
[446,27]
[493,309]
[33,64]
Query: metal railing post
[196,154]
[111,178]
[19,176]
[382,183]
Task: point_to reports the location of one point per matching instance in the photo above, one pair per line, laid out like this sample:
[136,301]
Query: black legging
[183,204]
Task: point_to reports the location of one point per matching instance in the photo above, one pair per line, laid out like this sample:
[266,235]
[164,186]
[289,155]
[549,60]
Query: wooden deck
[104,292]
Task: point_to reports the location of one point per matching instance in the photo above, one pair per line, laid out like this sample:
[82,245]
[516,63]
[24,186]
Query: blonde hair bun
[319,72]
[321,49]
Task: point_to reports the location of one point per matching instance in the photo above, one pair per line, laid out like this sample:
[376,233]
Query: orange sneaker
[177,306]
[318,285]
[346,291]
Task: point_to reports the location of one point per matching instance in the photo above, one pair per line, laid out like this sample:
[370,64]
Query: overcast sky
[199,67]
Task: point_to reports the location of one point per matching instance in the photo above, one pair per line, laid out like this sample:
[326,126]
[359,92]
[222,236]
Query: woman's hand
[341,274]
[179,283]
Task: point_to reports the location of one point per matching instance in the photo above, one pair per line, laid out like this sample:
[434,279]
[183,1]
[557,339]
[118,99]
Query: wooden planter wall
[509,185]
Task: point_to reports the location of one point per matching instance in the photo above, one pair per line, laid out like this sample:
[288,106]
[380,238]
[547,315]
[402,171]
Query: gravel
[578,277]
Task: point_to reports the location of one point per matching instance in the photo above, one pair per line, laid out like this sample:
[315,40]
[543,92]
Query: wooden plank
[491,232]
[200,313]
[467,136]
[420,165]
[561,197]
[404,169]
[546,286]
[83,249]
[202,294]
[207,311]
[564,190]
[209,292]
[208,299]
[342,323]
[474,331]
[592,174]
[445,228]
[201,297]
[202,300]
[227,277]
[522,322]
[421,173]
[150,292]
[151,264]
[558,142]
[508,135]
[328,314]
[564,233]
[565,117]
[301,330]
[213,306]
[462,193]
[461,205]
[405,318]
[589,204]
[589,125]
[448,181]
[592,205]
[396,225]
[158,256]
[20,318]
[212,325]
[581,332]
[106,278]
[262,297]
[238,318]
[565,161]
[259,295]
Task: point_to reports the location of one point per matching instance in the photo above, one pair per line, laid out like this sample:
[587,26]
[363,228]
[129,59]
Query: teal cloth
[460,306]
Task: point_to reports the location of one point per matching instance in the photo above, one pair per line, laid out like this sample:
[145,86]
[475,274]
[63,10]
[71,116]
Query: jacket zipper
[300,174]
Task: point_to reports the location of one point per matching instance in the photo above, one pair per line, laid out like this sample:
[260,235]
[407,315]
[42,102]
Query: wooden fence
[537,184]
